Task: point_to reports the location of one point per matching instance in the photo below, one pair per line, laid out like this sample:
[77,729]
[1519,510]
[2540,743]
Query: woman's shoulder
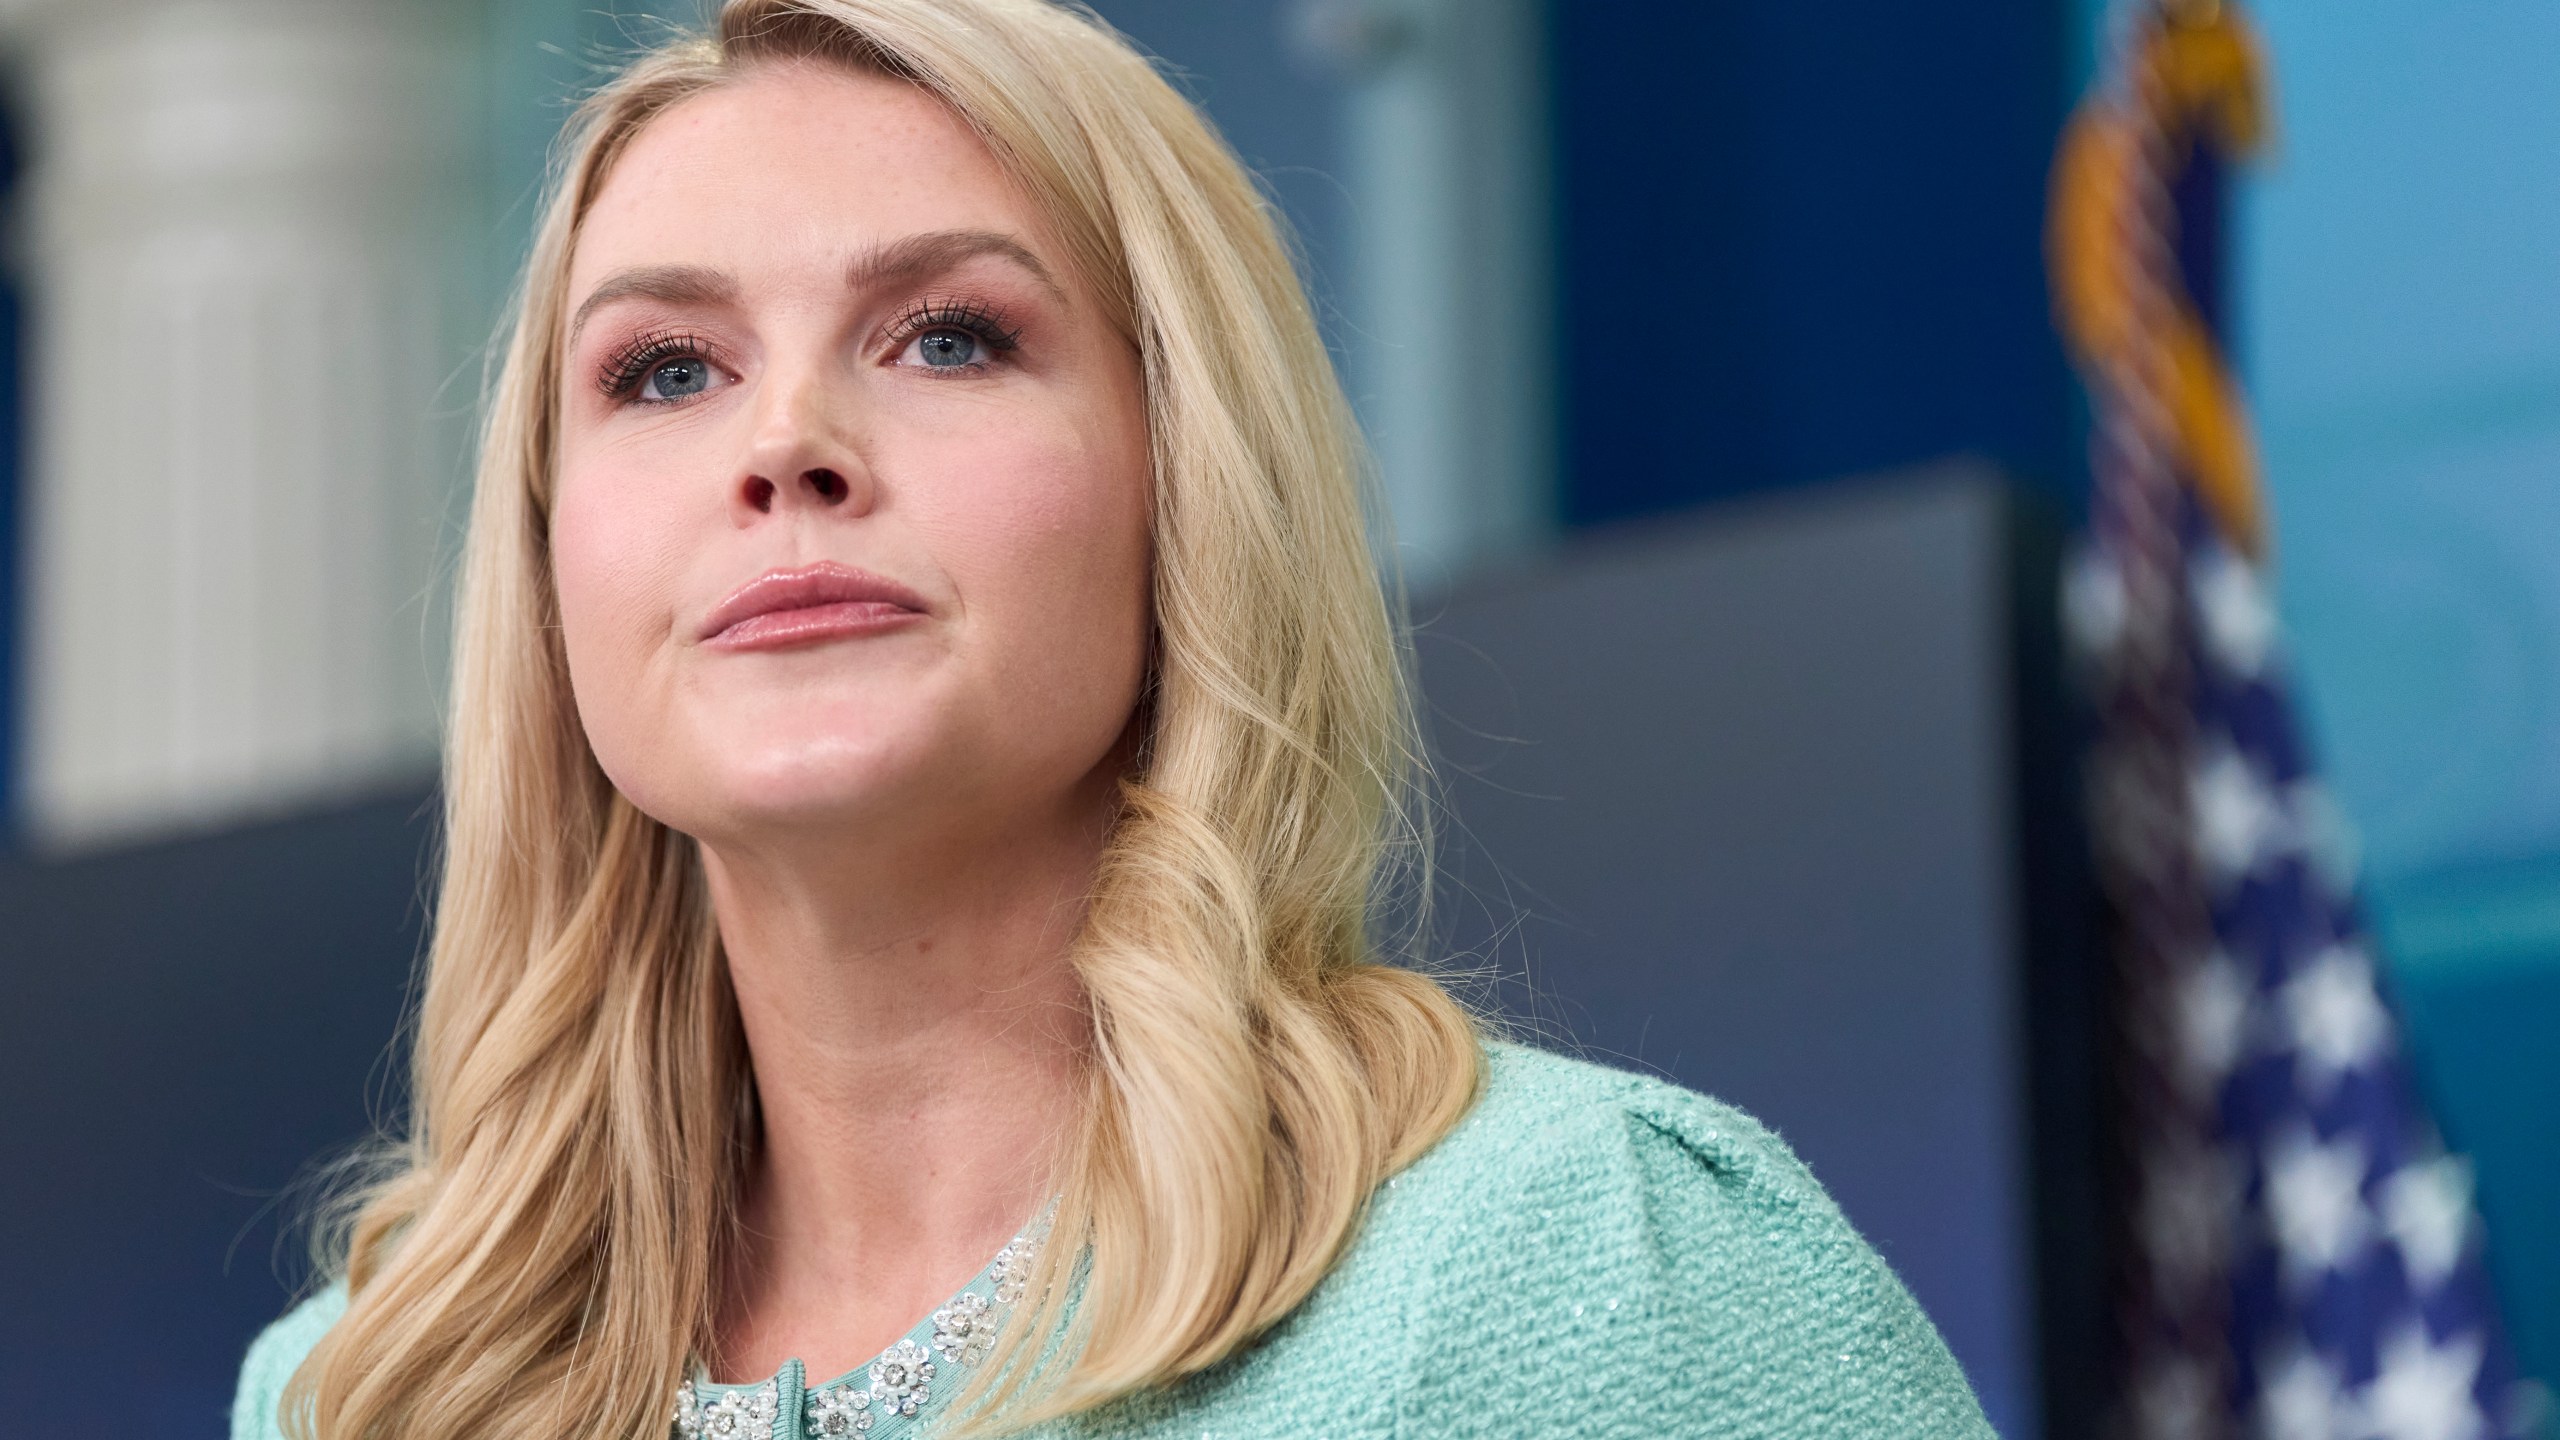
[1570,1133]
[1595,1241]
[1540,1108]
[274,1356]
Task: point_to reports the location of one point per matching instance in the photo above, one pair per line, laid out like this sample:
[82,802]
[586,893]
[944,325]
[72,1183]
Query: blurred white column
[238,247]
[1451,281]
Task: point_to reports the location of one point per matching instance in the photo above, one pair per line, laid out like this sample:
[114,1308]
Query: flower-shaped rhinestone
[1011,1270]
[735,1415]
[963,1329]
[902,1377]
[831,1414]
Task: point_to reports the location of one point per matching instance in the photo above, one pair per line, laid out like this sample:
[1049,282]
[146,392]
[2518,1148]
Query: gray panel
[1735,794]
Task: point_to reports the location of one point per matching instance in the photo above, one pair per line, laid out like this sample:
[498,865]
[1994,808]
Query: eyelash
[985,323]
[631,364]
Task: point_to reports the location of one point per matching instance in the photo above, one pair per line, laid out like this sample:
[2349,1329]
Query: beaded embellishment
[902,1378]
[964,1329]
[899,1384]
[736,1415]
[831,1414]
[1011,1271]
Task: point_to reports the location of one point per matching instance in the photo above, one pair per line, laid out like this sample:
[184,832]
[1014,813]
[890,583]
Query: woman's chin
[752,796]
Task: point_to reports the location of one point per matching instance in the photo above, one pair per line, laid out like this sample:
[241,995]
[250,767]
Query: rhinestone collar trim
[892,1394]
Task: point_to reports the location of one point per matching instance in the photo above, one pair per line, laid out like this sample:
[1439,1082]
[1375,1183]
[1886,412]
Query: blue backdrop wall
[1801,241]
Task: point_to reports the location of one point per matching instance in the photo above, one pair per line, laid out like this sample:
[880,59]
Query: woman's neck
[919,1041]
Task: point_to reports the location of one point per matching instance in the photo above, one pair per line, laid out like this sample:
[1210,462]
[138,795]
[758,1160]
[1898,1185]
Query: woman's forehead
[797,165]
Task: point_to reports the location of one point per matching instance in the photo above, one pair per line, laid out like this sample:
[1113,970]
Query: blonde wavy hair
[542,1253]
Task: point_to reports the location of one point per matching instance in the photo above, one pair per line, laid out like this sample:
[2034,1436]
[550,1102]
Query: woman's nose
[824,486]
[798,458]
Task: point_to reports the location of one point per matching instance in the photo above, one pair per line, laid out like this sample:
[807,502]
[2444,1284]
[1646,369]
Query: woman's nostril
[760,493]
[829,485]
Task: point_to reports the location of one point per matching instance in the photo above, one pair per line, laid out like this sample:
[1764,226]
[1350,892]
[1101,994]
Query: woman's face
[851,523]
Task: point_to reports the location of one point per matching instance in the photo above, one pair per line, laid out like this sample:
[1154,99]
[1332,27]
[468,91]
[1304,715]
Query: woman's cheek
[610,566]
[1061,534]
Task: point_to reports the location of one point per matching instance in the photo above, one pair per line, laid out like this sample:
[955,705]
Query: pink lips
[815,602]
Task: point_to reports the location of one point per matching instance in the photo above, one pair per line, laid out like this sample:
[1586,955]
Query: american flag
[2298,1256]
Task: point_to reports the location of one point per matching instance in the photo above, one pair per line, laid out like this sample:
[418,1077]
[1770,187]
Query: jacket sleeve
[1664,1266]
[273,1357]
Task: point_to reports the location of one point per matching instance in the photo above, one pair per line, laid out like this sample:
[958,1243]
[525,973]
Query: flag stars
[2427,1210]
[2423,1390]
[2237,618]
[2336,1018]
[2238,819]
[2213,1021]
[2189,1195]
[2176,1399]
[2093,604]
[2302,1398]
[2314,1203]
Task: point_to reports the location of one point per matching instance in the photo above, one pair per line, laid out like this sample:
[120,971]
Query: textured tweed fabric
[1590,1253]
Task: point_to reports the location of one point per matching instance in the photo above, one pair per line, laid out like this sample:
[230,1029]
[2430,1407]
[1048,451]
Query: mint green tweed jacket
[1589,1253]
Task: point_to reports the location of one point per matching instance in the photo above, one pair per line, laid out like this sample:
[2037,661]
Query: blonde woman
[925,738]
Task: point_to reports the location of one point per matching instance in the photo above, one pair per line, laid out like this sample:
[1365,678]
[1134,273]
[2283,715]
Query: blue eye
[677,378]
[955,337]
[944,349]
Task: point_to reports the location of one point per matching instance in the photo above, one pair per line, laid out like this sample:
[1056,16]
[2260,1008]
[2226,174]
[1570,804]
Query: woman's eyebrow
[673,284]
[913,257]
[900,261]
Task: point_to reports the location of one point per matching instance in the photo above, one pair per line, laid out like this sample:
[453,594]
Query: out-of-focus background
[1706,350]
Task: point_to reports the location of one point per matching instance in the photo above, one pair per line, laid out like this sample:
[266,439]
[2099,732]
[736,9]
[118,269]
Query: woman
[926,738]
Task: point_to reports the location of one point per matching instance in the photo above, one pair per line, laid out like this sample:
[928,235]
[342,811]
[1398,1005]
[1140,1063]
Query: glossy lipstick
[817,602]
